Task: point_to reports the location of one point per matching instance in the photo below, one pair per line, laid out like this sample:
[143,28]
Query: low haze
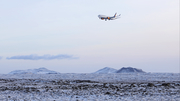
[68,37]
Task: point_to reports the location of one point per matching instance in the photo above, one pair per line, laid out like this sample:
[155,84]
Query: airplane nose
[99,16]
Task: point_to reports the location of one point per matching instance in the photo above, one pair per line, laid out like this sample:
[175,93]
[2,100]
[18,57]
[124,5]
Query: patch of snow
[106,70]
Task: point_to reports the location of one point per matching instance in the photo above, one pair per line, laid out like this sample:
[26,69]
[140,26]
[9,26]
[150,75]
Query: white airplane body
[104,17]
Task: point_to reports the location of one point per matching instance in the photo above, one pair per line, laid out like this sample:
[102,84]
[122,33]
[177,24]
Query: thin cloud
[0,57]
[44,57]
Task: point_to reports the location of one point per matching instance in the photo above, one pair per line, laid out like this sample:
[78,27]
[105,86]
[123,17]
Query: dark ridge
[130,70]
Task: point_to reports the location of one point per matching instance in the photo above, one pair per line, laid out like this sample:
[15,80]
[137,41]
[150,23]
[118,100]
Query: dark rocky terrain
[40,89]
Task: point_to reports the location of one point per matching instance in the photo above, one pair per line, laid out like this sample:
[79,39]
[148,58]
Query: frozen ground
[90,87]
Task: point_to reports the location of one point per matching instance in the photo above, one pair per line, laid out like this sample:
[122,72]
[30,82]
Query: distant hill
[34,71]
[129,70]
[106,70]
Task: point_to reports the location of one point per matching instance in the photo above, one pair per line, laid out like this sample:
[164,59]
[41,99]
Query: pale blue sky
[68,37]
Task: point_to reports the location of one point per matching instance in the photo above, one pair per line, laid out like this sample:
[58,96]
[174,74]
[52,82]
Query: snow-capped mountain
[41,70]
[106,70]
[129,70]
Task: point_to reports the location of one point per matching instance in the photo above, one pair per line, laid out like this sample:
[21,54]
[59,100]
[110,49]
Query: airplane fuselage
[104,17]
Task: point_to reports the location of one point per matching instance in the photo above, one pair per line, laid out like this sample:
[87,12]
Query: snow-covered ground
[90,87]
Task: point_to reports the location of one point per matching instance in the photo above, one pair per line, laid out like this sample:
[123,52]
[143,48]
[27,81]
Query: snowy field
[90,87]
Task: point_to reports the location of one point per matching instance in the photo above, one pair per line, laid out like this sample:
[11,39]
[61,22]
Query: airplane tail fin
[115,14]
[118,16]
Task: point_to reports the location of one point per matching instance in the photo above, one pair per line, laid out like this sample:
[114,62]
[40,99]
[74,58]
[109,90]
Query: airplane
[104,17]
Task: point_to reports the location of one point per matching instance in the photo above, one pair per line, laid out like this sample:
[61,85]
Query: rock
[150,84]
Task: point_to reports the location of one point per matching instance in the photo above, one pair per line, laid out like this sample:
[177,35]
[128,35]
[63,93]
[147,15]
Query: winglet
[115,14]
